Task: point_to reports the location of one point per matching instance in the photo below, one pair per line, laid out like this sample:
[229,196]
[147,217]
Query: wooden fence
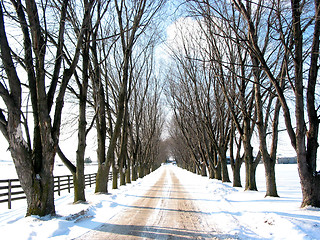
[10,189]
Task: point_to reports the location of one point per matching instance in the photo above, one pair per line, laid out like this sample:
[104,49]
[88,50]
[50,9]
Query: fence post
[9,193]
[59,185]
[69,184]
[90,180]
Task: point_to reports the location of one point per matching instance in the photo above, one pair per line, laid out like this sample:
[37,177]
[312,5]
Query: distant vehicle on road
[171,161]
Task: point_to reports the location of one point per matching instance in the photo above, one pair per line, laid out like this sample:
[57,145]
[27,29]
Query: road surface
[165,211]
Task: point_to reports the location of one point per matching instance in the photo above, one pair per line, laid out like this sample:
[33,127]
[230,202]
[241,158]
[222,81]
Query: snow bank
[248,214]
[72,220]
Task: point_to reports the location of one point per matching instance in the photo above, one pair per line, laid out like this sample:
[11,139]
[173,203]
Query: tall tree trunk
[123,177]
[102,178]
[128,171]
[269,163]
[306,154]
[193,167]
[115,176]
[217,169]
[312,192]
[134,172]
[110,157]
[147,170]
[101,124]
[36,182]
[124,147]
[203,169]
[224,168]
[236,166]
[248,158]
[78,177]
[211,170]
[235,162]
[141,171]
[236,174]
[38,187]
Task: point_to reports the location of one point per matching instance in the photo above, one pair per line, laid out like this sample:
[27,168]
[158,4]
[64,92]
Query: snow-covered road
[172,203]
[165,211]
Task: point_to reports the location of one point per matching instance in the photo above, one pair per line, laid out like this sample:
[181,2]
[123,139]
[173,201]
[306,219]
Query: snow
[249,215]
[235,212]
[8,171]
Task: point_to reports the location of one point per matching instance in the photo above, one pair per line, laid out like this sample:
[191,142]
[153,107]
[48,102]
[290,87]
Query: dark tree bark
[124,148]
[235,162]
[100,104]
[306,152]
[78,176]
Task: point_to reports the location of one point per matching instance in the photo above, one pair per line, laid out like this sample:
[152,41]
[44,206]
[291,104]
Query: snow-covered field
[247,215]
[8,171]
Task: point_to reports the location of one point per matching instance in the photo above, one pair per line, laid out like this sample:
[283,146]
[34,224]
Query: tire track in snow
[165,211]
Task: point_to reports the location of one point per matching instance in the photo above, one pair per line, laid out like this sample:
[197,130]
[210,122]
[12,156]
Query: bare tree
[81,95]
[224,21]
[178,149]
[34,159]
[132,18]
[303,140]
[190,121]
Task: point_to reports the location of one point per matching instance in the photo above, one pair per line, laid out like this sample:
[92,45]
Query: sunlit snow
[235,212]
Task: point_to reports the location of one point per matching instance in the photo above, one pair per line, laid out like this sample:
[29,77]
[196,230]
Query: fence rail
[10,189]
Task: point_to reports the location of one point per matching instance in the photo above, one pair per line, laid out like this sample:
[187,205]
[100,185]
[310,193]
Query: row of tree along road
[97,55]
[238,65]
